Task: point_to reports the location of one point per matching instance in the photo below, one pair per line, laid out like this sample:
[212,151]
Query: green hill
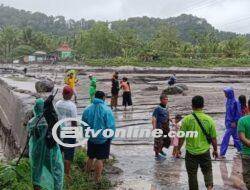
[145,27]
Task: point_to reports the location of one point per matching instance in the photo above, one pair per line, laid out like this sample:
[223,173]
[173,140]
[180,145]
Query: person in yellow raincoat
[72,80]
[92,87]
[47,167]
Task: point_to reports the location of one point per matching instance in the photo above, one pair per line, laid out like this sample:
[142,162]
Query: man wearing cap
[99,118]
[67,109]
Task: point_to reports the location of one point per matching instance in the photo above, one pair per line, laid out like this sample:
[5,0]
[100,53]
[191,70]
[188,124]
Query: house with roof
[65,52]
[35,57]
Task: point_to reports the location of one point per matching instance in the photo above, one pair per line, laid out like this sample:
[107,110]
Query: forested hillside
[138,39]
[145,27]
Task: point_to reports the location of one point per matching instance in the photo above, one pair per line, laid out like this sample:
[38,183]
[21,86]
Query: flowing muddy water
[135,156]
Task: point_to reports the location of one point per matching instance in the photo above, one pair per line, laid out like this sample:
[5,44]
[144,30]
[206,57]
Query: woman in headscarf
[46,164]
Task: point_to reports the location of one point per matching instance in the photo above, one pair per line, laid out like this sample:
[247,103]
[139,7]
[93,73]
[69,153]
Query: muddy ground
[135,156]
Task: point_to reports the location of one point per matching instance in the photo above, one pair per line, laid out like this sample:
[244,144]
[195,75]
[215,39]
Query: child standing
[243,105]
[175,139]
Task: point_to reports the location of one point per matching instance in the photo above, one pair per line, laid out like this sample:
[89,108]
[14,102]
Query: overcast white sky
[228,15]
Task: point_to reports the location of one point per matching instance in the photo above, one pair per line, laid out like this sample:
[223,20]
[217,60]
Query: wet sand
[135,156]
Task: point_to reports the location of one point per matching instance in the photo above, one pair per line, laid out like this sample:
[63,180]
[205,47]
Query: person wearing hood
[100,118]
[92,87]
[46,164]
[172,80]
[233,114]
[72,80]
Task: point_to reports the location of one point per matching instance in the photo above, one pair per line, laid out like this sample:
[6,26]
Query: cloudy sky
[228,15]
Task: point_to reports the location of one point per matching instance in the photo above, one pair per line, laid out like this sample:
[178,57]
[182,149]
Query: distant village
[62,53]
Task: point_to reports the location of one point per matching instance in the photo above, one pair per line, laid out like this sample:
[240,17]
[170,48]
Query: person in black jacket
[115,91]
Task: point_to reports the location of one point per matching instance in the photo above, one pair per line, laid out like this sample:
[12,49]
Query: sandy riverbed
[135,156]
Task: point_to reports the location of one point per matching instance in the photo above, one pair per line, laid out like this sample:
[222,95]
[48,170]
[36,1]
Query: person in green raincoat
[92,88]
[46,164]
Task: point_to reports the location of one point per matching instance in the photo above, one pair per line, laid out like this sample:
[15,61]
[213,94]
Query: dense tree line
[146,39]
[145,27]
[102,42]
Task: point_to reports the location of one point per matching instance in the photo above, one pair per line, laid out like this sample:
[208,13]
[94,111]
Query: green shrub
[15,177]
[19,177]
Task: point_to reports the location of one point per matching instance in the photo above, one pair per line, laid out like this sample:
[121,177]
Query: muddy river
[135,156]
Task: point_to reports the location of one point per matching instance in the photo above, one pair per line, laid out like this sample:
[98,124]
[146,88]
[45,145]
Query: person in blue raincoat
[233,114]
[172,80]
[99,117]
[46,164]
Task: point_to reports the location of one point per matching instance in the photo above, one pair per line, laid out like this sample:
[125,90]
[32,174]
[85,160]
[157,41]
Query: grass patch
[80,180]
[19,177]
[172,62]
[15,177]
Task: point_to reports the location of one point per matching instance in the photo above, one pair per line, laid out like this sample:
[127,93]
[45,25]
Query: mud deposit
[135,156]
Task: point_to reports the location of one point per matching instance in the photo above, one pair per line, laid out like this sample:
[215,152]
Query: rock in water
[113,170]
[151,88]
[183,86]
[44,85]
[173,90]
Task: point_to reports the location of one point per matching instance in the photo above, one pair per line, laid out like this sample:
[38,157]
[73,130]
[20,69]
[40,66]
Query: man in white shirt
[67,109]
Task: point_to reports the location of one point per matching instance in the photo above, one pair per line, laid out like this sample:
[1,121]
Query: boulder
[151,88]
[171,90]
[183,86]
[44,85]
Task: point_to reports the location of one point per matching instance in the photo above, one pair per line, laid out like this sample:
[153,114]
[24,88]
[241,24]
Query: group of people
[116,86]
[71,80]
[237,122]
[50,165]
